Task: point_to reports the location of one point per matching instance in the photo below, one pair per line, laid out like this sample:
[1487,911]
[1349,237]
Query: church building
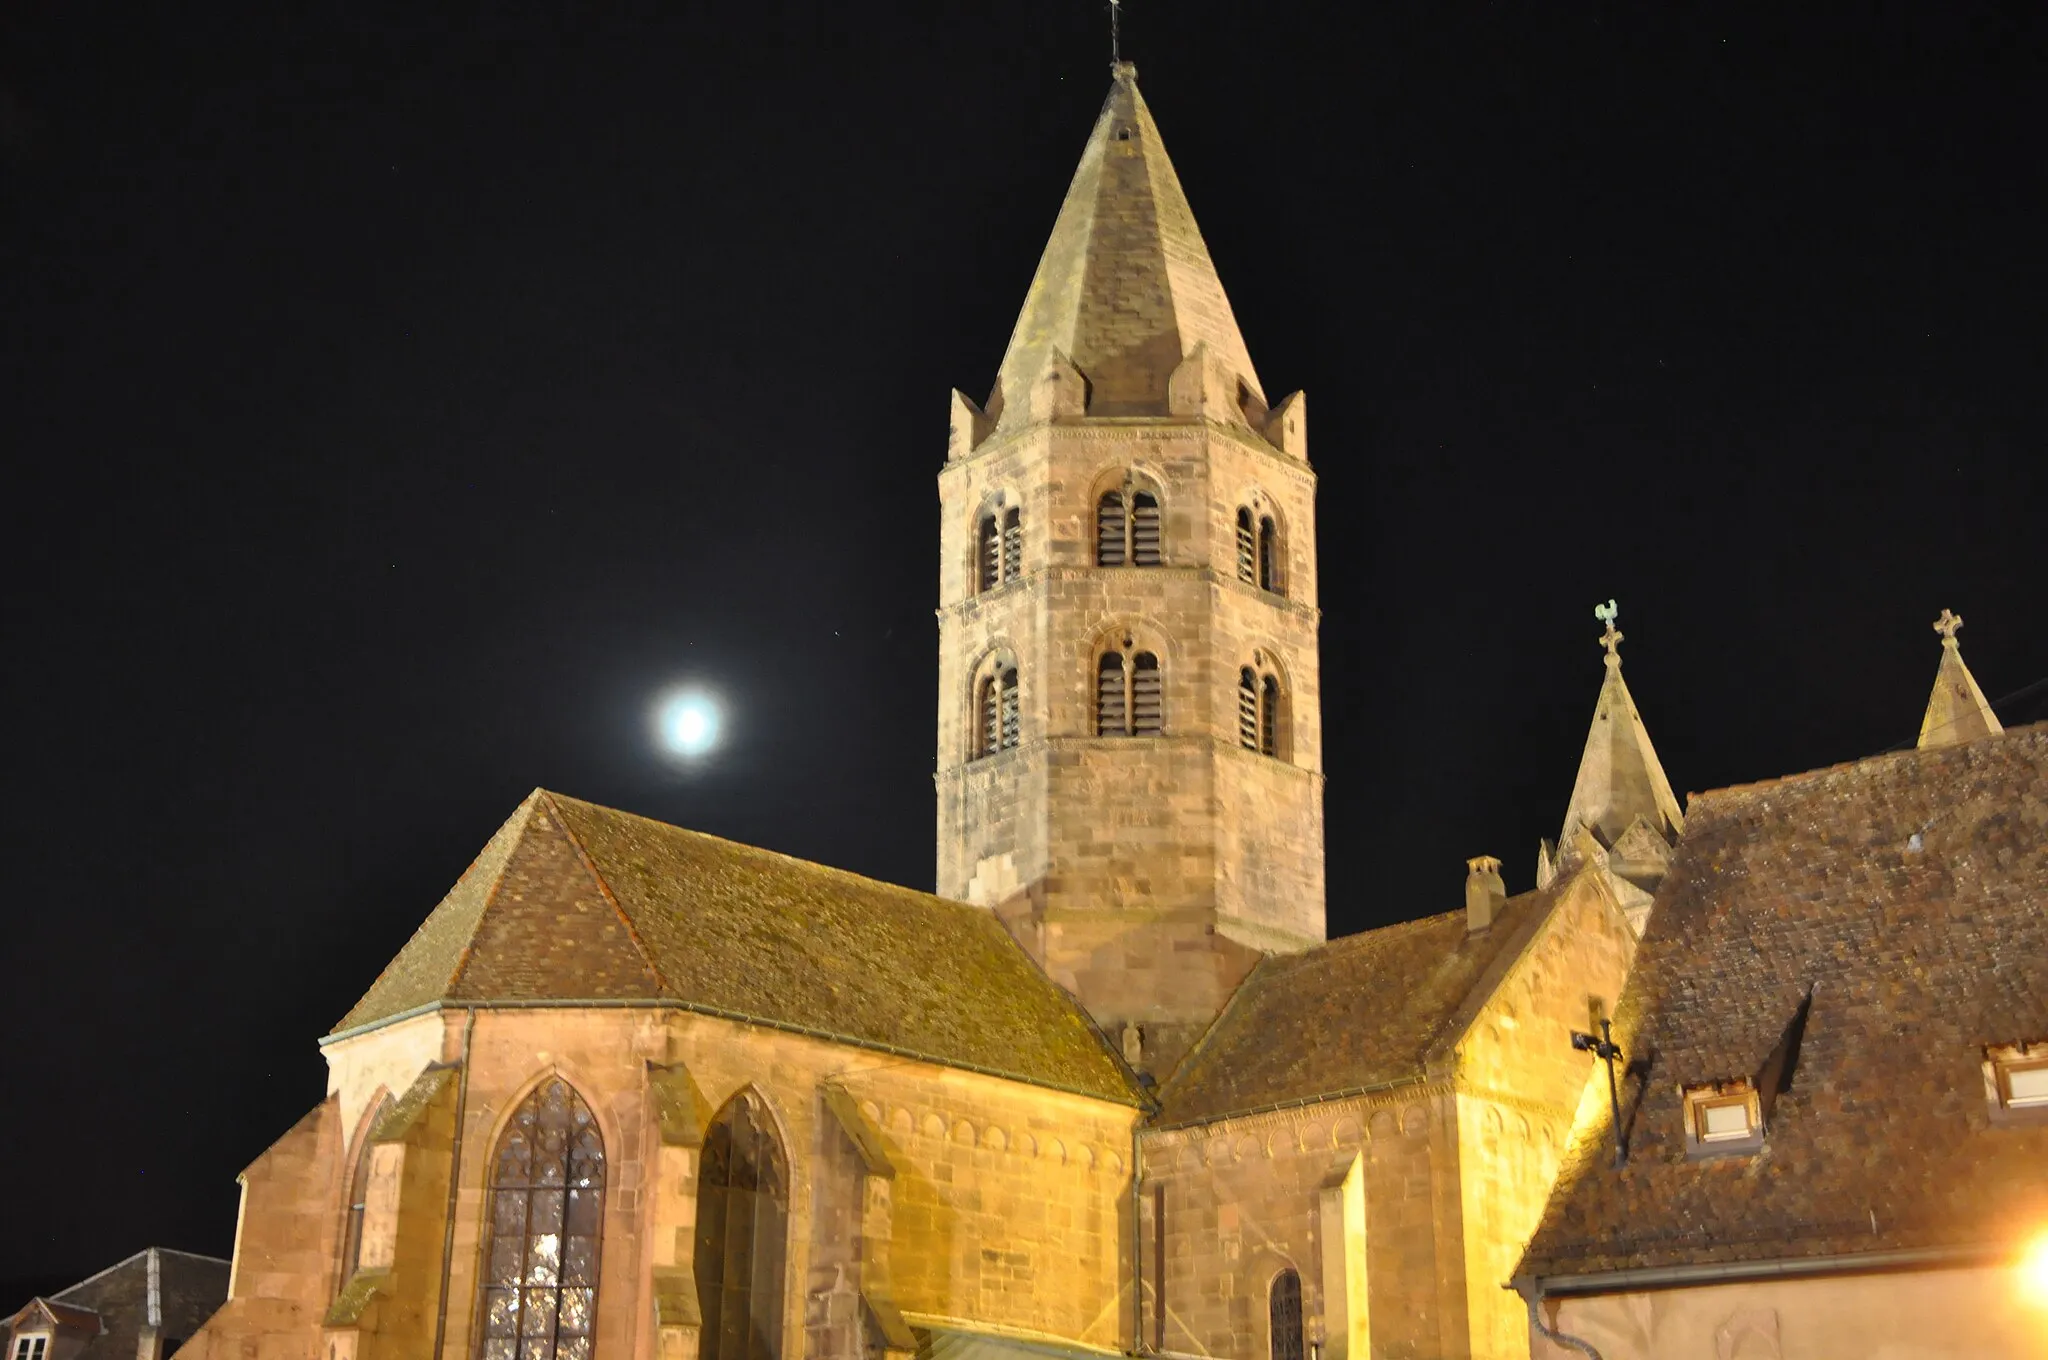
[636,1092]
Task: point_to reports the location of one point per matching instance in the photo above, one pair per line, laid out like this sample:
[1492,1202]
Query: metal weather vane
[1611,639]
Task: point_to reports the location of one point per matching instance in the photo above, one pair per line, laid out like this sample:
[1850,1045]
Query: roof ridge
[589,863]
[1731,792]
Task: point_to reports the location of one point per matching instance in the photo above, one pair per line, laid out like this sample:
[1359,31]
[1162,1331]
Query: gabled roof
[1361,1012]
[1125,289]
[42,1312]
[1910,893]
[574,902]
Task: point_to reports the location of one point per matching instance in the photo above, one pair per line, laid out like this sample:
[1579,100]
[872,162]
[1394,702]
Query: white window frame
[32,1346]
[2002,1062]
[1703,1101]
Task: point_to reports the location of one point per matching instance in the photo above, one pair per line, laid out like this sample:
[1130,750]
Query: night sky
[398,401]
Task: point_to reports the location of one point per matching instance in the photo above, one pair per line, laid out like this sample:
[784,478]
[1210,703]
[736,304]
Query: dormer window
[1722,1118]
[2016,1080]
[32,1347]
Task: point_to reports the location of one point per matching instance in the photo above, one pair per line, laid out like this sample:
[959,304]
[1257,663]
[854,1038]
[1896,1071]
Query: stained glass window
[1284,1313]
[742,1234]
[541,1241]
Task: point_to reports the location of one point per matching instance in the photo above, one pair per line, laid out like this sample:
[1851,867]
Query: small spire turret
[1957,710]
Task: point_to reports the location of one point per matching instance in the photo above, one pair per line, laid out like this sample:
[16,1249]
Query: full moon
[686,723]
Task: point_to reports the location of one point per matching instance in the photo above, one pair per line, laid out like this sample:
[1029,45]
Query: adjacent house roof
[171,1291]
[575,902]
[1360,1012]
[1125,289]
[1909,893]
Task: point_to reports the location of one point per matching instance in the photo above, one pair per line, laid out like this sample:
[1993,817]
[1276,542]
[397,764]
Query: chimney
[1484,892]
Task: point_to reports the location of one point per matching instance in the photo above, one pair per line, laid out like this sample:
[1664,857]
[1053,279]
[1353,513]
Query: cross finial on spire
[1611,639]
[1946,625]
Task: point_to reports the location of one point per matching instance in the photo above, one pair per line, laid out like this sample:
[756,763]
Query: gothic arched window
[1283,1316]
[1261,721]
[1258,551]
[997,724]
[742,1234]
[540,1245]
[998,548]
[1127,527]
[1130,699]
[359,1196]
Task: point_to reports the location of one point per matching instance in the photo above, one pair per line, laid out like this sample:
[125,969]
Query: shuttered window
[987,560]
[1148,702]
[1013,545]
[1247,549]
[1110,530]
[1248,709]
[997,720]
[1111,709]
[1269,555]
[1269,717]
[1283,1316]
[1144,530]
[1259,720]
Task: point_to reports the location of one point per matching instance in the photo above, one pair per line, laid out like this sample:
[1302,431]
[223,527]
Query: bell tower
[1129,731]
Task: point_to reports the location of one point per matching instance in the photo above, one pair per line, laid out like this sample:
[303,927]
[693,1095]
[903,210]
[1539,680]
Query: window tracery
[998,547]
[1130,697]
[998,721]
[541,1240]
[1261,710]
[742,1234]
[1127,526]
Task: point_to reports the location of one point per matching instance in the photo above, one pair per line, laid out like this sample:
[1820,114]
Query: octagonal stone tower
[1129,734]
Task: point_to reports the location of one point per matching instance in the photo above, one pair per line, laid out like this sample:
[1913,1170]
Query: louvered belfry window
[1269,717]
[546,1210]
[1248,709]
[987,553]
[1247,549]
[1259,726]
[1013,544]
[742,1234]
[1269,556]
[1284,1317]
[1127,529]
[1130,697]
[997,724]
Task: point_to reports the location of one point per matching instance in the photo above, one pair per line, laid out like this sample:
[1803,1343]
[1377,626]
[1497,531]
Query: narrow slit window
[1248,709]
[1247,549]
[358,1198]
[1013,545]
[1111,710]
[987,718]
[1269,717]
[1008,725]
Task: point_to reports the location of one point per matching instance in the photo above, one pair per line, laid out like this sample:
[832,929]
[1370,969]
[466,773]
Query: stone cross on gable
[1946,625]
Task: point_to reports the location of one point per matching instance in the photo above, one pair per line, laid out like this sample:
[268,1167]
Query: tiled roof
[1910,893]
[1362,1011]
[575,902]
[1125,289]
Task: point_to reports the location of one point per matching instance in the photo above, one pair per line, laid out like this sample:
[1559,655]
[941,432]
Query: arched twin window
[1283,1316]
[742,1234]
[998,548]
[1258,552]
[541,1240]
[1130,700]
[1260,720]
[996,718]
[1127,527]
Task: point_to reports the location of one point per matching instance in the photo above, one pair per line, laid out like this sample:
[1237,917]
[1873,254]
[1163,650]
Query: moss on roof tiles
[654,912]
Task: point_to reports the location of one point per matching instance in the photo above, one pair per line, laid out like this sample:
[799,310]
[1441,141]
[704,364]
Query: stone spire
[1957,710]
[1623,814]
[1125,291]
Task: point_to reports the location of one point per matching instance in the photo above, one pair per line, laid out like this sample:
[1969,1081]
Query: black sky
[397,400]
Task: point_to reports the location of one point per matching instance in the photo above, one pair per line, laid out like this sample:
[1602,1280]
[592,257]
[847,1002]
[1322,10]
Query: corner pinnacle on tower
[1957,710]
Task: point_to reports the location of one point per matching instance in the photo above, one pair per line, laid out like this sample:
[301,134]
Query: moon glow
[686,723]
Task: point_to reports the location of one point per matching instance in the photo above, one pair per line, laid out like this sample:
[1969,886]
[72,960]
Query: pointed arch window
[1127,527]
[1261,712]
[1259,554]
[541,1241]
[359,1195]
[1283,1316]
[742,1234]
[998,547]
[997,723]
[1130,694]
